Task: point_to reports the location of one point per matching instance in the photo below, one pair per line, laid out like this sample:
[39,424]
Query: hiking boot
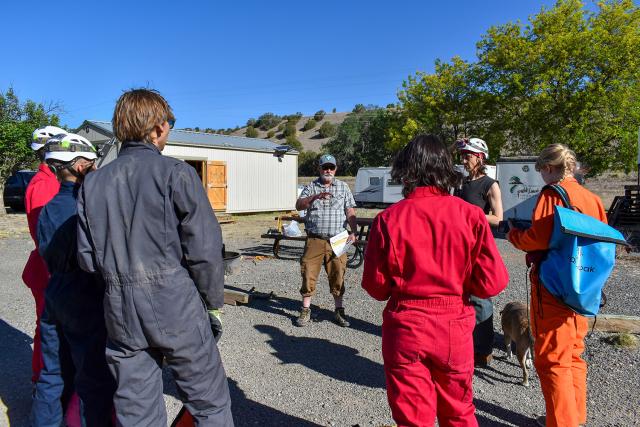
[542,421]
[340,318]
[482,360]
[304,317]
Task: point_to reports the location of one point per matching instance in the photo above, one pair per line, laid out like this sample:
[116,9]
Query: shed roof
[185,137]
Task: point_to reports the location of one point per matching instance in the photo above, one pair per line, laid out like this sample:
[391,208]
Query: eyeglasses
[328,167]
[171,122]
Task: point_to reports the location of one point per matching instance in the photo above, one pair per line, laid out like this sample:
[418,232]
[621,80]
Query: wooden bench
[624,214]
[355,255]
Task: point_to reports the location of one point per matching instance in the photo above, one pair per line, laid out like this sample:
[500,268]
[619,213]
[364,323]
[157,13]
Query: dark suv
[15,189]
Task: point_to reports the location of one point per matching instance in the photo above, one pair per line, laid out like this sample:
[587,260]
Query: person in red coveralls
[43,186]
[426,254]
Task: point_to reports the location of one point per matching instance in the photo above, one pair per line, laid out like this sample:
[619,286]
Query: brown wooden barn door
[217,184]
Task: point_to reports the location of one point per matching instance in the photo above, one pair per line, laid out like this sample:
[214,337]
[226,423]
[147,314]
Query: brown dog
[515,326]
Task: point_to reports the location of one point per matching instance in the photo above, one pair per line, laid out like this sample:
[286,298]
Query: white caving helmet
[65,148]
[475,145]
[41,136]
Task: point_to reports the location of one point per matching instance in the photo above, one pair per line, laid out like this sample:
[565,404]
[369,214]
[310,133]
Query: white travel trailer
[375,187]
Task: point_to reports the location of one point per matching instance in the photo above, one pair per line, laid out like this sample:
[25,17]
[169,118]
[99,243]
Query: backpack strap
[561,192]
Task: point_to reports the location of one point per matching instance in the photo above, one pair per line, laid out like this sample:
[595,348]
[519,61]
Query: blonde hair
[137,112]
[558,156]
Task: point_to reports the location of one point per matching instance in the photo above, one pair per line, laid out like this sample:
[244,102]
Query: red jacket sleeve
[376,277]
[38,194]
[489,275]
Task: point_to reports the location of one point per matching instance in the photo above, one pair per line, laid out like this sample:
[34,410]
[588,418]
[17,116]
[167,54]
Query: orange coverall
[559,332]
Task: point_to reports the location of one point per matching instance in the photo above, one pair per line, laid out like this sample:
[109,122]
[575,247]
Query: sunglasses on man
[328,167]
[171,122]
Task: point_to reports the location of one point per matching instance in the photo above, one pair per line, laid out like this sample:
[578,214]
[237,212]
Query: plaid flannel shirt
[327,217]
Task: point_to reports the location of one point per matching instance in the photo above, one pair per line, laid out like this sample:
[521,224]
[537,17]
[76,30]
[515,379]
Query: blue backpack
[581,255]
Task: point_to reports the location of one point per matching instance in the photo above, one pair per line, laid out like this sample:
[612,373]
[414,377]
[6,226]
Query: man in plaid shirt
[329,205]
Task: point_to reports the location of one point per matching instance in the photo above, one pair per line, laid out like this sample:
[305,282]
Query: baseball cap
[327,158]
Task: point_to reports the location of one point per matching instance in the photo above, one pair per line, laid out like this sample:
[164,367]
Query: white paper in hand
[339,243]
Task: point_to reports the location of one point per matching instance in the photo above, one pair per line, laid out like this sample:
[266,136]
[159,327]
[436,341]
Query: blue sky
[220,63]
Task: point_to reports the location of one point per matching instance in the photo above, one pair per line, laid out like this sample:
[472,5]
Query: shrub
[359,108]
[251,132]
[308,163]
[311,123]
[327,130]
[289,130]
[292,141]
[334,110]
[319,115]
[271,134]
[280,127]
[294,118]
[251,122]
[267,121]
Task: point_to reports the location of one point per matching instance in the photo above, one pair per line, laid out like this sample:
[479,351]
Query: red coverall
[426,254]
[43,186]
[558,331]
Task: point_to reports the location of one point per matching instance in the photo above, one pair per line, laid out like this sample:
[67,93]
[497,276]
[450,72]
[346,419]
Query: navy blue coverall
[146,224]
[73,318]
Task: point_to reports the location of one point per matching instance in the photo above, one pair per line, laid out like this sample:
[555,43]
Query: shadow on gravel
[15,381]
[247,412]
[333,360]
[284,306]
[510,417]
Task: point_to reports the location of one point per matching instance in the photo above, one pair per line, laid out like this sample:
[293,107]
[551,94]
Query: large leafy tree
[17,123]
[572,75]
[361,140]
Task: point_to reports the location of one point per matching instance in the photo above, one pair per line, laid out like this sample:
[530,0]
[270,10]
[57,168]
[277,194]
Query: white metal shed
[240,174]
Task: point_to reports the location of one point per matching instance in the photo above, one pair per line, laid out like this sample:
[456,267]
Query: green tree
[17,122]
[267,121]
[308,163]
[449,103]
[292,141]
[251,122]
[361,140]
[572,75]
[251,132]
[359,108]
[310,124]
[327,130]
[289,130]
[319,115]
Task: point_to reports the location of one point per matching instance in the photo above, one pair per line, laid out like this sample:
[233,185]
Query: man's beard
[326,177]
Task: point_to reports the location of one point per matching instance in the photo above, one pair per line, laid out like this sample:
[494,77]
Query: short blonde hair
[137,112]
[558,156]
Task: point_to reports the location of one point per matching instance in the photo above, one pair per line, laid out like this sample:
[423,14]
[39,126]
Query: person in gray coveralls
[145,223]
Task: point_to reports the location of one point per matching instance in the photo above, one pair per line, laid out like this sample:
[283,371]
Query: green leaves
[571,75]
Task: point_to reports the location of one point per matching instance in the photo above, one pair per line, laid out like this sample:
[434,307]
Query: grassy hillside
[310,139]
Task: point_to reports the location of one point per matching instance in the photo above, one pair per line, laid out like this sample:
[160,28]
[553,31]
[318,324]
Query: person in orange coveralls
[558,331]
[426,254]
[42,187]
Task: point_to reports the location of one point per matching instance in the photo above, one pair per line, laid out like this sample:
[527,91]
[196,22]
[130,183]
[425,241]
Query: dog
[515,327]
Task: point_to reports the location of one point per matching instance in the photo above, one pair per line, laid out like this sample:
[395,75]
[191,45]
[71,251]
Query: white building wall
[256,181]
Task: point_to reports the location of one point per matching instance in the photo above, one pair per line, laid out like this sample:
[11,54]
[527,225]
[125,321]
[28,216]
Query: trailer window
[393,183]
[374,180]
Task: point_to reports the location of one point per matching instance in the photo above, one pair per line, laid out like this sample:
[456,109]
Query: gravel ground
[323,375]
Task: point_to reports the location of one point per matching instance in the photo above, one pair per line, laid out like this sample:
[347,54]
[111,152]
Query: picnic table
[355,256]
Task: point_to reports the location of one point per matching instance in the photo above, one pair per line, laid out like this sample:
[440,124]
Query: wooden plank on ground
[235,297]
[616,323]
[225,219]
